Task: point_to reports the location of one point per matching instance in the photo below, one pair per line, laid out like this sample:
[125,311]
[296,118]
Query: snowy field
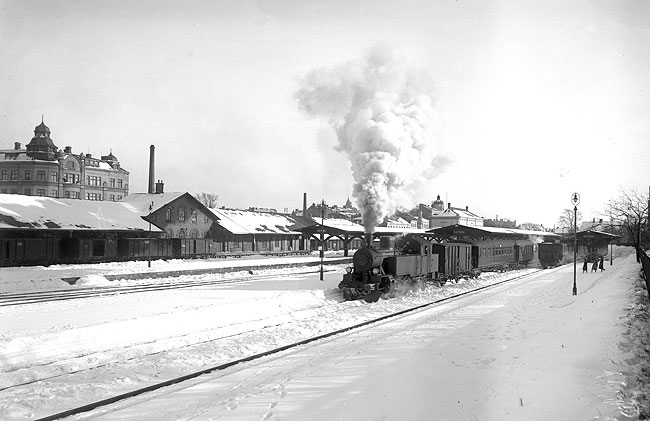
[63,354]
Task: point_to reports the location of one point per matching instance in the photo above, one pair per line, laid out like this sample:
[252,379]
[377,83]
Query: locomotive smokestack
[152,169]
[368,239]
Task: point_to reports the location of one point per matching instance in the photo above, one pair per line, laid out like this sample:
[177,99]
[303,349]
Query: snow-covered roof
[454,211]
[248,222]
[465,229]
[32,212]
[141,201]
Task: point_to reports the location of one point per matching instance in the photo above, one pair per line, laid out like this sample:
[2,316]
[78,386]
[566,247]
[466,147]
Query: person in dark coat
[585,268]
[594,267]
[600,264]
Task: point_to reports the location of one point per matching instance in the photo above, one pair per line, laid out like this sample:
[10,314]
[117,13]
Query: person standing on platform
[600,264]
[585,268]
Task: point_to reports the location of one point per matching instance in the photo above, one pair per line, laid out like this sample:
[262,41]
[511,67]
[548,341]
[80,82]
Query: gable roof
[249,222]
[141,201]
[32,212]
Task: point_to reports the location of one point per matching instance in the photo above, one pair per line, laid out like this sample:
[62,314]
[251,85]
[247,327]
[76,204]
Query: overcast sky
[536,99]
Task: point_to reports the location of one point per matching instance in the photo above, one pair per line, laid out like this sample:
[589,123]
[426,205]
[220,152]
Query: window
[54,193]
[168,215]
[40,175]
[40,192]
[119,183]
[28,192]
[14,174]
[28,174]
[181,214]
[111,182]
[93,196]
[54,177]
[112,197]
[195,216]
[98,247]
[5,175]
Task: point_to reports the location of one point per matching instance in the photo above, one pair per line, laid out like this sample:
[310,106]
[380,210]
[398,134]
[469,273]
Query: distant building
[41,169]
[500,223]
[453,216]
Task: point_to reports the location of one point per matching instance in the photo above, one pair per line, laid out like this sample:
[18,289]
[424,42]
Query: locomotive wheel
[373,296]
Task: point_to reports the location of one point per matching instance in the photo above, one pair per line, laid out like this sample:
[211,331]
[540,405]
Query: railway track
[87,292]
[216,368]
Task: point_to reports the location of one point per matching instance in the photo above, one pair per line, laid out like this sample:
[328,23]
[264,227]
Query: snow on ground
[110,345]
[39,278]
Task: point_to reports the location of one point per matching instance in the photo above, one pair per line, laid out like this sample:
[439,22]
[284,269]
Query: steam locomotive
[412,260]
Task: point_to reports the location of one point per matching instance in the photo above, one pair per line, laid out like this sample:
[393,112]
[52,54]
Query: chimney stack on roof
[17,145]
[67,149]
[159,187]
[448,205]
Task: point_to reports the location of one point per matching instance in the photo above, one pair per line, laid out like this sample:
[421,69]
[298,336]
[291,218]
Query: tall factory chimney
[152,169]
[304,204]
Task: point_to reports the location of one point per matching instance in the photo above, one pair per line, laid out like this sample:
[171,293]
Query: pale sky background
[538,99]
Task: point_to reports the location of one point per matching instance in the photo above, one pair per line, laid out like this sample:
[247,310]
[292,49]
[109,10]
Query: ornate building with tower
[42,169]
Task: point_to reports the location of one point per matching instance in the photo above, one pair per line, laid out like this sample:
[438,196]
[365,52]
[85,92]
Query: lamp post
[575,199]
[322,235]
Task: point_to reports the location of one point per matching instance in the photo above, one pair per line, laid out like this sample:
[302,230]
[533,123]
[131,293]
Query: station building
[42,169]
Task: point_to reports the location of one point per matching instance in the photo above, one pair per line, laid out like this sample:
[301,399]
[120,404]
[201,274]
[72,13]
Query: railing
[645,263]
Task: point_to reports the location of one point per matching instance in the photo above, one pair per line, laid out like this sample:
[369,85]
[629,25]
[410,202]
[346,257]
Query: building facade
[42,169]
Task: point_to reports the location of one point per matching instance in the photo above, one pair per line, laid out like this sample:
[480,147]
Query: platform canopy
[592,236]
[459,231]
[333,227]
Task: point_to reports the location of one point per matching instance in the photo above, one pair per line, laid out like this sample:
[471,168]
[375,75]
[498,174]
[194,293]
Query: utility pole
[149,235]
[322,235]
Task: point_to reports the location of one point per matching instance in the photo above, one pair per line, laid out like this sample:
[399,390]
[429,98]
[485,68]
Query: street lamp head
[575,199]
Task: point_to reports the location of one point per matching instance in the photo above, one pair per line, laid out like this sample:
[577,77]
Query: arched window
[181,214]
[195,216]
[182,233]
[194,233]
[168,215]
[169,233]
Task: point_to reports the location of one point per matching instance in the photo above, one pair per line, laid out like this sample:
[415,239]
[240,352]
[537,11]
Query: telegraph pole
[575,199]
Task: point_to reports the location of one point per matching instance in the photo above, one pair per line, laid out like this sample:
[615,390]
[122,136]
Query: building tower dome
[41,146]
[438,204]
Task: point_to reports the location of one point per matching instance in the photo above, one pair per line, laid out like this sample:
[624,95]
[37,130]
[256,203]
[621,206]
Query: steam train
[412,260]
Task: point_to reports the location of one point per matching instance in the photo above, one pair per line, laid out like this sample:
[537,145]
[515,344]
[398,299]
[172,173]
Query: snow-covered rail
[219,367]
[158,284]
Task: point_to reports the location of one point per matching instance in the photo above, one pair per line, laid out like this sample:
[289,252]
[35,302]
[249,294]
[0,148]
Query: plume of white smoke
[383,113]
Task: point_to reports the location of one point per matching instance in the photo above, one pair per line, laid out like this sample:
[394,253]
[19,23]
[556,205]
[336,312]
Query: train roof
[46,213]
[459,231]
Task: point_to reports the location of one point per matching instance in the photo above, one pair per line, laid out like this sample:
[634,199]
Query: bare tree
[566,220]
[208,199]
[629,213]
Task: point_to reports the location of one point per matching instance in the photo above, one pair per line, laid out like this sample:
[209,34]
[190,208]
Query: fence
[645,263]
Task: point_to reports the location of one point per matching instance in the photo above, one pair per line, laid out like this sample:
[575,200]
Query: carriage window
[98,247]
